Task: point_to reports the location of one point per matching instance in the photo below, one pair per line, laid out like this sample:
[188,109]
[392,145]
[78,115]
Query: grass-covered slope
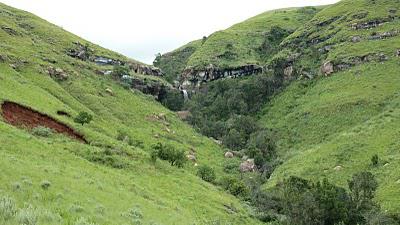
[251,42]
[331,127]
[56,180]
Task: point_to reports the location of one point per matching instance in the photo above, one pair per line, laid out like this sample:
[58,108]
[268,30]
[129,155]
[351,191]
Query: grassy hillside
[253,41]
[56,180]
[343,120]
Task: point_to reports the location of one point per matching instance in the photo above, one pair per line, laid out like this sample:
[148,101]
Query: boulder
[288,71]
[355,39]
[57,73]
[191,157]
[327,68]
[398,52]
[338,168]
[110,91]
[183,115]
[247,166]
[229,155]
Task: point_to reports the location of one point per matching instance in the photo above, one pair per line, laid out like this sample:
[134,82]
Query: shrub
[42,131]
[27,216]
[169,153]
[231,167]
[234,186]
[135,215]
[206,173]
[45,184]
[375,160]
[8,208]
[83,117]
[173,100]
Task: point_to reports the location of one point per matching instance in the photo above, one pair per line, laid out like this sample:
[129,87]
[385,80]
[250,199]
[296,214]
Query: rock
[2,59]
[9,30]
[183,115]
[57,73]
[247,166]
[398,52]
[386,164]
[82,52]
[327,68]
[102,61]
[145,69]
[370,24]
[355,39]
[338,168]
[288,71]
[110,91]
[382,57]
[229,155]
[15,67]
[193,78]
[191,157]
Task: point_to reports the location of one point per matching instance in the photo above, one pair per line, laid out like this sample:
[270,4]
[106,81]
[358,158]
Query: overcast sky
[142,28]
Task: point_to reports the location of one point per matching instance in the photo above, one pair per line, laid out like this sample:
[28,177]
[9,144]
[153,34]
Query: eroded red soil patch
[21,116]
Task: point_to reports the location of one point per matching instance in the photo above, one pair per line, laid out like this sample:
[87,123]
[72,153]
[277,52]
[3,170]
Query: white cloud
[142,28]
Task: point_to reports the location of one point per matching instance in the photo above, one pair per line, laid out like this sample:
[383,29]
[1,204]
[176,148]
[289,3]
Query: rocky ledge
[195,77]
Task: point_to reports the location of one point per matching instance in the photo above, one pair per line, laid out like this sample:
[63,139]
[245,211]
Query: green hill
[251,42]
[329,90]
[345,119]
[53,179]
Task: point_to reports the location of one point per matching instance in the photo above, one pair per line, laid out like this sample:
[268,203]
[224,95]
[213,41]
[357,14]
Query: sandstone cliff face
[193,78]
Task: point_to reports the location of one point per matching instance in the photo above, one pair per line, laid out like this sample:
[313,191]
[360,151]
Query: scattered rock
[110,91]
[325,49]
[327,68]
[247,166]
[229,155]
[355,39]
[384,35]
[57,73]
[338,168]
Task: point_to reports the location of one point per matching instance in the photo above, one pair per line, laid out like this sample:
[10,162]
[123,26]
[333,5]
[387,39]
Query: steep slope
[331,127]
[110,180]
[242,49]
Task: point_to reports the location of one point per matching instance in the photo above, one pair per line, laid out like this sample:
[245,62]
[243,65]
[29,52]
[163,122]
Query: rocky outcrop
[57,73]
[145,69]
[370,24]
[229,155]
[103,61]
[82,52]
[146,86]
[247,166]
[9,31]
[327,68]
[194,77]
[384,35]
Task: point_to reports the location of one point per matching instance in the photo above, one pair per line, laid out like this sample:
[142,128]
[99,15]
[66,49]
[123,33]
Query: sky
[142,28]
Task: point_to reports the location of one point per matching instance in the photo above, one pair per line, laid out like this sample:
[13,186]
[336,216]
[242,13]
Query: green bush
[234,186]
[173,100]
[45,184]
[42,131]
[375,160]
[169,153]
[83,117]
[120,71]
[206,173]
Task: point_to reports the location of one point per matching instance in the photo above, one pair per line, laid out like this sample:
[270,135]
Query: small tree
[206,173]
[83,117]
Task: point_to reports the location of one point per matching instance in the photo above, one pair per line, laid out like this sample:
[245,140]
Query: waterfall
[185,95]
